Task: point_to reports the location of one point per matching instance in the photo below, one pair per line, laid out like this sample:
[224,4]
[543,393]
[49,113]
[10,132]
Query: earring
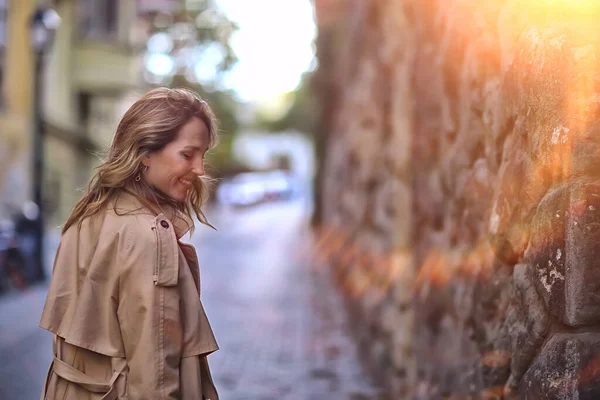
[138,177]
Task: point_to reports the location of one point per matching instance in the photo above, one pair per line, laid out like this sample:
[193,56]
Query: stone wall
[462,195]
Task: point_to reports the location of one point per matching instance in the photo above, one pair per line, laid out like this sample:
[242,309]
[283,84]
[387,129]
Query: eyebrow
[192,147]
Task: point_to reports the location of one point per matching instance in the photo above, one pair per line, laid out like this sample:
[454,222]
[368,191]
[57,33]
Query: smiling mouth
[186,182]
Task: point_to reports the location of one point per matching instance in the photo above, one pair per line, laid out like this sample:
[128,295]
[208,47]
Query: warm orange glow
[493,393]
[496,358]
[585,5]
[359,270]
[590,372]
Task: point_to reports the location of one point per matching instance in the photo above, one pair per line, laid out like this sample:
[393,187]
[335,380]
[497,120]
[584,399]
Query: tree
[190,47]
[191,40]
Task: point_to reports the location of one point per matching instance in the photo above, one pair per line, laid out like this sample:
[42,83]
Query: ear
[146,160]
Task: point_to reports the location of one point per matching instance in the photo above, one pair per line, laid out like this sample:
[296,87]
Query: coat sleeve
[149,317]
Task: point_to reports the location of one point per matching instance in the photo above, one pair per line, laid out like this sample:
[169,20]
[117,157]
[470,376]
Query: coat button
[164,224]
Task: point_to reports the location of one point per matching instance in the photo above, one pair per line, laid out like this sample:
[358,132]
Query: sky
[274,45]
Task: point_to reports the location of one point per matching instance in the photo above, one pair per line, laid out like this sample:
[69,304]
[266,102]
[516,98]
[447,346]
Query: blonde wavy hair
[151,123]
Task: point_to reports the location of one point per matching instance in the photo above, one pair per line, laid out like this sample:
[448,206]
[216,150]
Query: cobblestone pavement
[280,327]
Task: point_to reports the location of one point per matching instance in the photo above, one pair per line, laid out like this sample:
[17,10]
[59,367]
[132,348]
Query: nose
[198,168]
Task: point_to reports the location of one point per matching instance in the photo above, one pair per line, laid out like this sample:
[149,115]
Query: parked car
[251,188]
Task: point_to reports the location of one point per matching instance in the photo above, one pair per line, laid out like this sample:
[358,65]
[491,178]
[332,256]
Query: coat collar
[126,202]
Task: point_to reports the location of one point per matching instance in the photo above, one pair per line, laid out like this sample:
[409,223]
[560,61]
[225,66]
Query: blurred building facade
[3,31]
[16,63]
[89,73]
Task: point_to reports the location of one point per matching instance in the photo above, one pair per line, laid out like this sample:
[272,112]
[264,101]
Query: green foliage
[301,115]
[219,162]
[195,28]
[223,103]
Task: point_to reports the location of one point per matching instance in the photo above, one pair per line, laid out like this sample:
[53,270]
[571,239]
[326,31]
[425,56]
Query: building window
[99,18]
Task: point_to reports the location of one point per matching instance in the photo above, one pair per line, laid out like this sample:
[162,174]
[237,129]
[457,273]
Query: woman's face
[173,169]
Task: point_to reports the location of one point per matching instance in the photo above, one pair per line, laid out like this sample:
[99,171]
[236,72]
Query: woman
[124,301]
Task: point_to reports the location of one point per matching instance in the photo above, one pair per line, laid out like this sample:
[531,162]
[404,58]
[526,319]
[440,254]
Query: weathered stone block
[567,368]
[583,255]
[527,324]
[546,250]
[391,211]
[517,195]
[565,251]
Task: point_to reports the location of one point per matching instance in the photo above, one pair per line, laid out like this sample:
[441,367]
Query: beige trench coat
[124,305]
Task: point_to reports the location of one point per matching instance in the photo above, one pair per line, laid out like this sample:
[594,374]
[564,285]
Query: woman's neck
[154,200]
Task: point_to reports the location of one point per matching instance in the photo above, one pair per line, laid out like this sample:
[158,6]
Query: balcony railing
[104,67]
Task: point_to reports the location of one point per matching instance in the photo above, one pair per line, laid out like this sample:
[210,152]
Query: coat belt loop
[72,374]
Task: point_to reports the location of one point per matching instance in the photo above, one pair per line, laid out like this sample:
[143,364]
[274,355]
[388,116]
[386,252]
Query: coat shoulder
[138,225]
[112,226]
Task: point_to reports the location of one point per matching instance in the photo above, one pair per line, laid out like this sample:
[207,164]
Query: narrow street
[280,327]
